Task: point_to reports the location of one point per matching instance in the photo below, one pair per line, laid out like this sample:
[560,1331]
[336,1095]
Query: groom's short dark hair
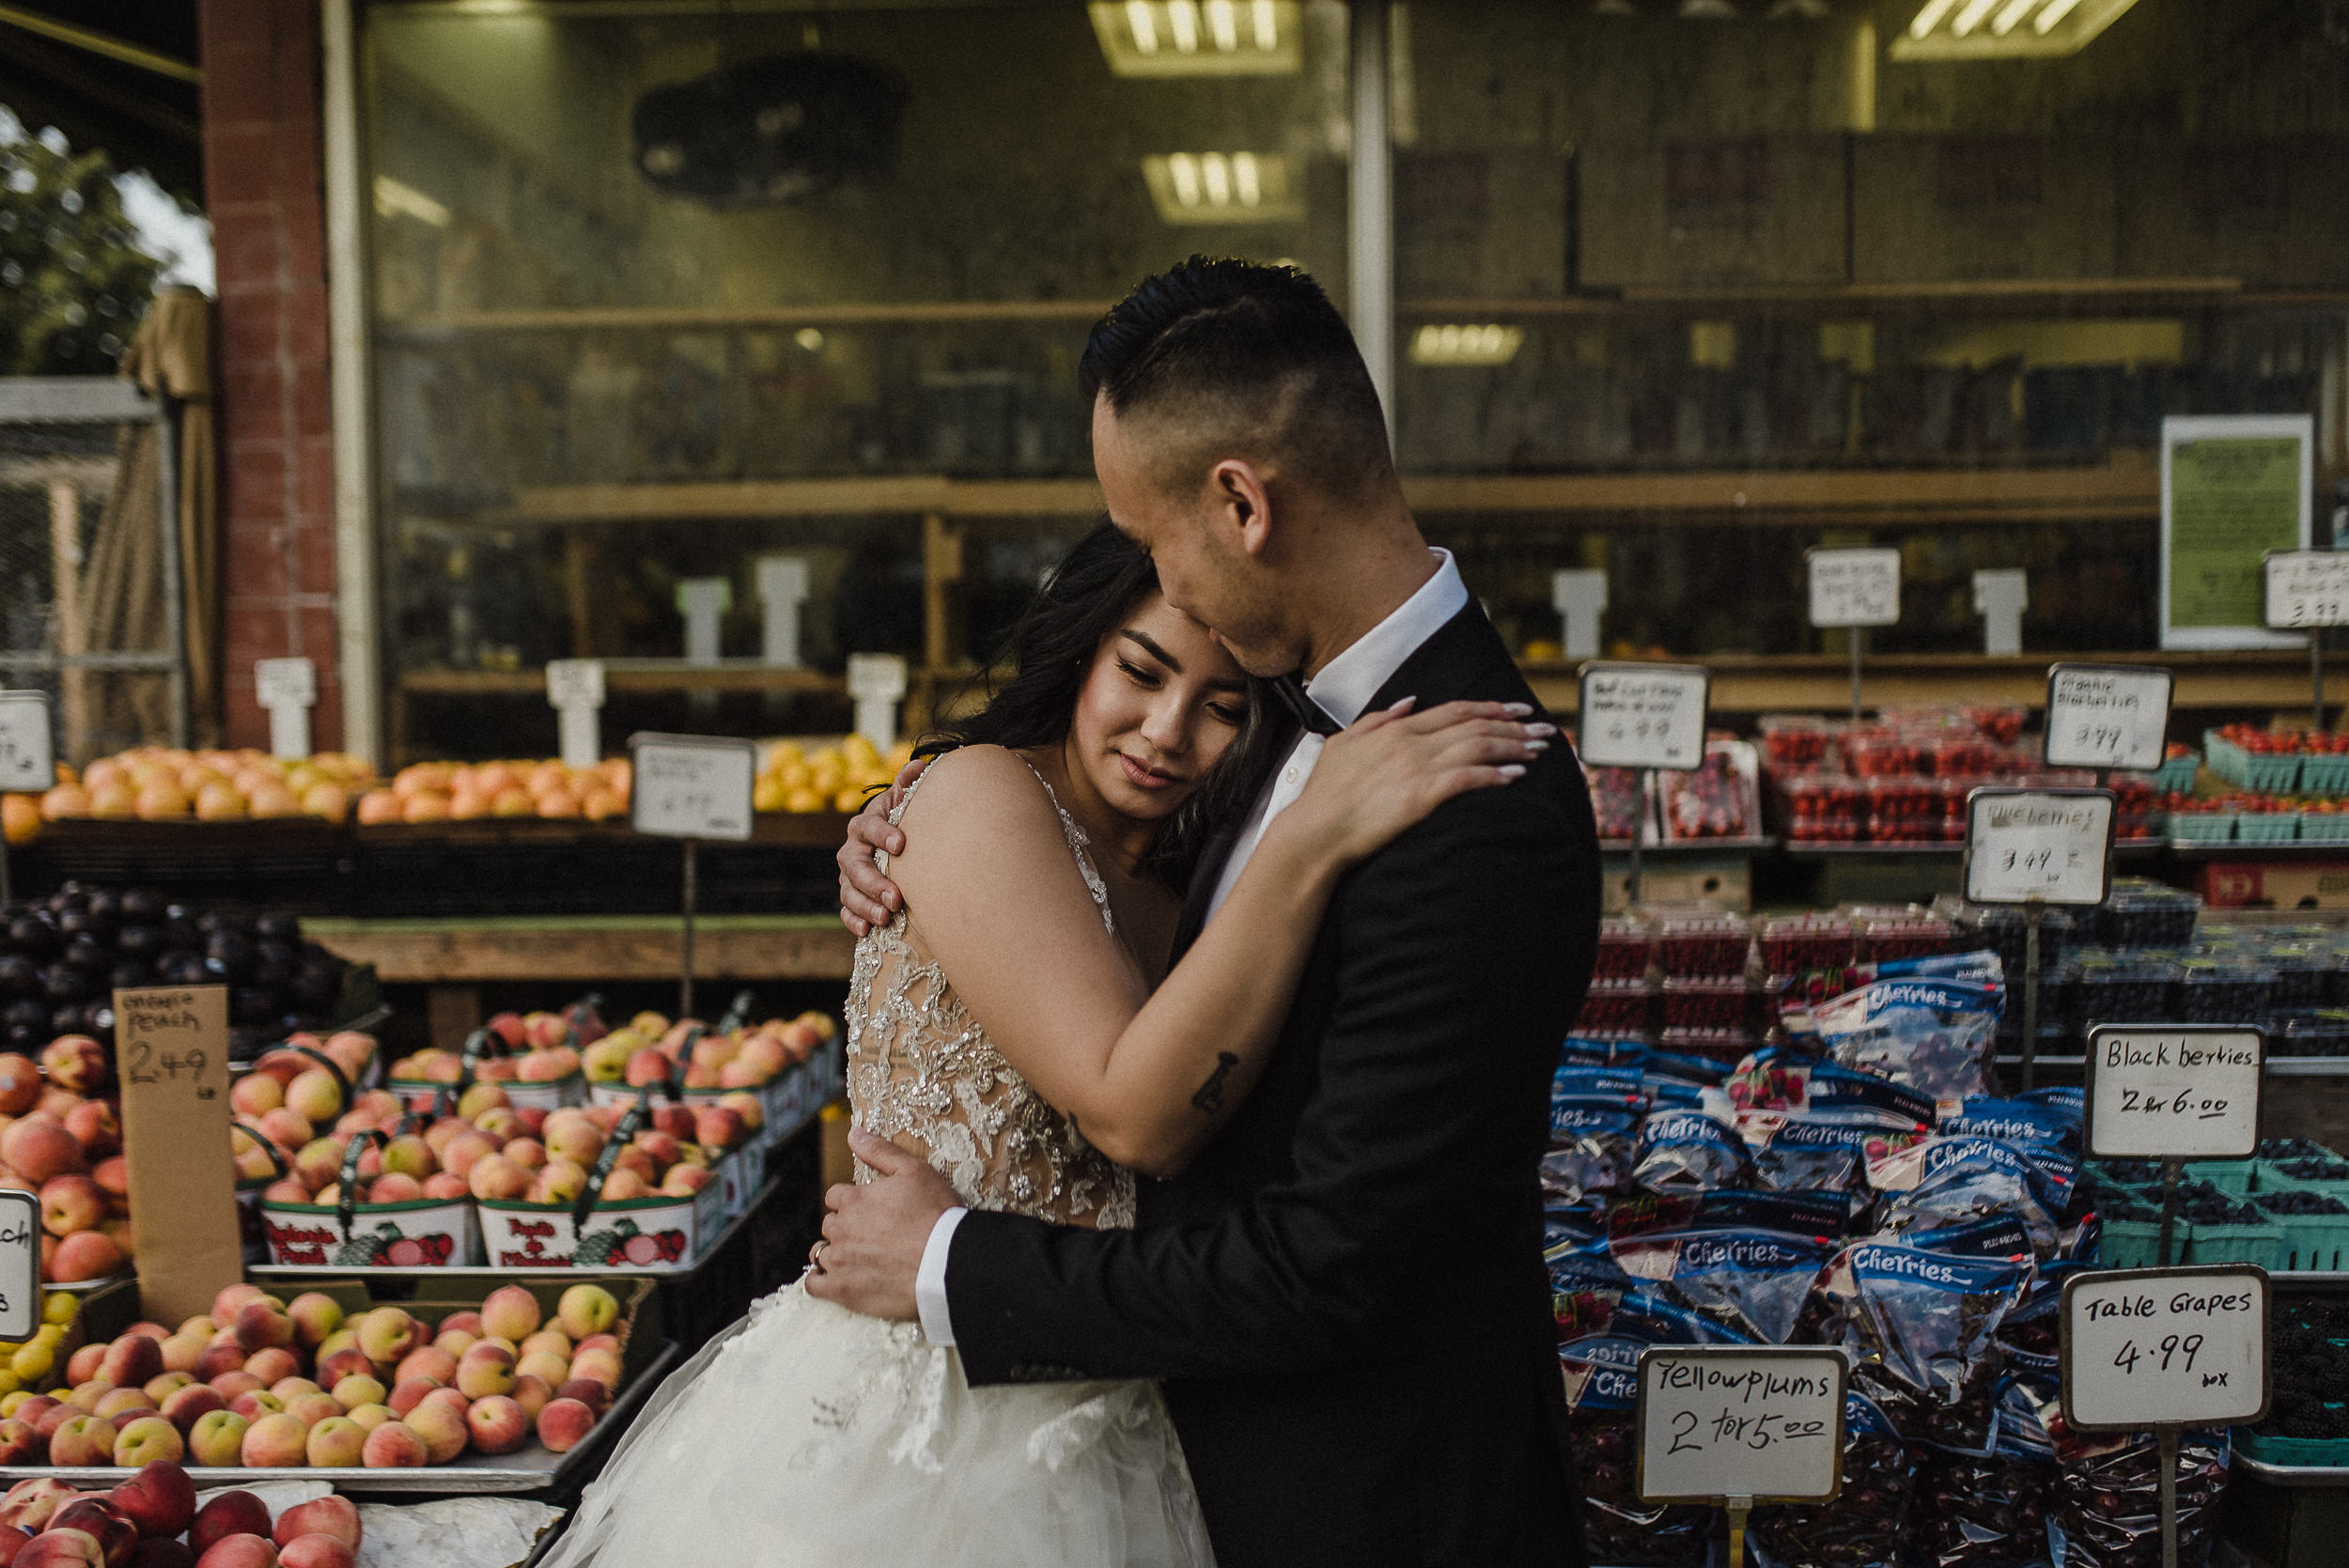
[1236,358]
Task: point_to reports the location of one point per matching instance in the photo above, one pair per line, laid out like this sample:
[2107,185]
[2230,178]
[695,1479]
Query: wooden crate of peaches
[262,1383]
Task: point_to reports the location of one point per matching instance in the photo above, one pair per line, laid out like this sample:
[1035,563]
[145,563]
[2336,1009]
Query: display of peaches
[152,1520]
[469,792]
[261,1383]
[156,784]
[649,1048]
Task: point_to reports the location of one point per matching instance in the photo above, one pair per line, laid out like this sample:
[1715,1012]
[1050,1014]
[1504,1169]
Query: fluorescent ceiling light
[1456,344]
[394,199]
[1222,188]
[1995,29]
[1199,37]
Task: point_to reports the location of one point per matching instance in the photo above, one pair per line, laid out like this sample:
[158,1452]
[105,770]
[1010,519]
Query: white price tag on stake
[20,1264]
[575,683]
[1644,715]
[2107,716]
[2180,1093]
[691,786]
[27,760]
[1716,1422]
[2164,1346]
[2042,845]
[2307,588]
[286,682]
[1855,587]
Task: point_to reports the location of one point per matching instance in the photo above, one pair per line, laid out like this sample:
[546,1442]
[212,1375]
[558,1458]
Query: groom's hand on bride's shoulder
[869,899]
[874,1235]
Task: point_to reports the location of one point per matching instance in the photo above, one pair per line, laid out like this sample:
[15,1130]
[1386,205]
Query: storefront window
[1807,245]
[660,291]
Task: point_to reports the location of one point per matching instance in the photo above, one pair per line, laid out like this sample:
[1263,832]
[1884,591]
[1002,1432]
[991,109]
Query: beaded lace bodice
[920,1070]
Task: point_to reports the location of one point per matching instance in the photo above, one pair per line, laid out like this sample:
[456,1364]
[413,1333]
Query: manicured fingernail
[1517,710]
[1538,745]
[1541,729]
[1513,770]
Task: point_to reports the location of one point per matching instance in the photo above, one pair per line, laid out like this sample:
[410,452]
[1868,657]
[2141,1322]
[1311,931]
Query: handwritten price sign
[2164,1346]
[2107,716]
[27,760]
[2174,1093]
[20,1264]
[1761,1424]
[1855,587]
[2038,845]
[2307,588]
[693,787]
[1644,715]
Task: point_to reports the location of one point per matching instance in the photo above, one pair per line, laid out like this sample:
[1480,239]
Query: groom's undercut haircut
[1224,358]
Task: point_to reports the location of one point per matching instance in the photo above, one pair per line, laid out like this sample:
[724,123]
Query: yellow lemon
[50,1334]
[804,800]
[767,793]
[59,1306]
[850,800]
[32,1363]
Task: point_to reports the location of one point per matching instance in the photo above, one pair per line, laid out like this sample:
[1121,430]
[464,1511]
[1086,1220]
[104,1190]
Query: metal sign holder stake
[2034,912]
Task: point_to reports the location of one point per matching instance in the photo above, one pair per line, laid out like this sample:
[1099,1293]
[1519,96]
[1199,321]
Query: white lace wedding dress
[807,1437]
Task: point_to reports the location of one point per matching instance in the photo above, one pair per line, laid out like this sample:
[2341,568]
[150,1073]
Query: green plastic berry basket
[2266,827]
[2332,826]
[2262,1243]
[2134,1243]
[2233,1177]
[2259,771]
[2273,1179]
[2291,1451]
[2325,775]
[2201,827]
[2176,775]
[2313,1243]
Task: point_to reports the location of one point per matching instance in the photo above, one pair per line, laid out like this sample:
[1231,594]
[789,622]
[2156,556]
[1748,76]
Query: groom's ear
[1243,504]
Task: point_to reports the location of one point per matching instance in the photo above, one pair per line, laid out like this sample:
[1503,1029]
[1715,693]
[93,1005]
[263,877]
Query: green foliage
[72,283]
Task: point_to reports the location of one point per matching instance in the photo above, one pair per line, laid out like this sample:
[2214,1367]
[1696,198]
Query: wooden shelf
[591,949]
[918,313]
[627,675]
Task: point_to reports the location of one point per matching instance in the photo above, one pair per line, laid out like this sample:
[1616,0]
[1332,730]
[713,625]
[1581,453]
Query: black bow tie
[1293,695]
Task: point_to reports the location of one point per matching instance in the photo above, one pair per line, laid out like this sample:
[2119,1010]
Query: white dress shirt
[1344,688]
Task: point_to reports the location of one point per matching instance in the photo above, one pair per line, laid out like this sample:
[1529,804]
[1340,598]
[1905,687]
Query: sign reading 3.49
[2038,845]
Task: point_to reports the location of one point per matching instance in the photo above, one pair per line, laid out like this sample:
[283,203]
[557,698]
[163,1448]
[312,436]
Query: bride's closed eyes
[1145,668]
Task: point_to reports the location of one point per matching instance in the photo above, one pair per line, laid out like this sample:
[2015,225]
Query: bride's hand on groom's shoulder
[869,899]
[1391,768]
[874,1235]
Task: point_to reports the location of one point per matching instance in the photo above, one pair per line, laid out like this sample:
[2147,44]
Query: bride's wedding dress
[810,1436]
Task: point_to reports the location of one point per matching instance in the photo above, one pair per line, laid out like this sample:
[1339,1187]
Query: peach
[75,1062]
[496,1177]
[184,1351]
[290,1389]
[316,1095]
[314,1315]
[39,1150]
[121,1401]
[62,1549]
[487,1370]
[561,1181]
[69,1205]
[456,1341]
[288,1128]
[160,1499]
[511,1312]
[191,1405]
[255,1094]
[546,1365]
[230,1298]
[29,1503]
[602,1365]
[446,1187]
[684,1180]
[165,1384]
[563,1423]
[501,1124]
[329,1516]
[149,1440]
[88,1256]
[285,1190]
[218,1439]
[586,1310]
[84,1363]
[442,1429]
[435,1364]
[479,1098]
[394,1186]
[533,1394]
[594,1395]
[315,1551]
[571,1134]
[94,1126]
[237,1513]
[350,1361]
[21,1445]
[256,1403]
[20,1083]
[369,1416]
[82,1441]
[310,1409]
[526,1152]
[260,1326]
[387,1334]
[229,1384]
[275,1442]
[625,1183]
[357,1389]
[275,1363]
[395,1446]
[95,1517]
[239,1551]
[547,1339]
[338,1441]
[466,1321]
[133,1358]
[449,1397]
[497,1424]
[410,1155]
[405,1396]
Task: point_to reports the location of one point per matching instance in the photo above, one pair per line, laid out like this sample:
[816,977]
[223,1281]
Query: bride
[1017,1026]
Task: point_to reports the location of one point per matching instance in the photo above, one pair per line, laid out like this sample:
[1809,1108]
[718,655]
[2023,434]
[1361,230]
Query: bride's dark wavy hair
[1029,690]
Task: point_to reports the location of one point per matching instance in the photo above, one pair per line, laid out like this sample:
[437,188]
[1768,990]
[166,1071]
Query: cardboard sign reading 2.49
[171,1052]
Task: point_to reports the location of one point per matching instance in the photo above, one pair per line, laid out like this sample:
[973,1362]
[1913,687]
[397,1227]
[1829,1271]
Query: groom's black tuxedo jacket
[1344,1293]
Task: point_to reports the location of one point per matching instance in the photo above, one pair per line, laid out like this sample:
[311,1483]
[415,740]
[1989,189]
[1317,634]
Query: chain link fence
[91,604]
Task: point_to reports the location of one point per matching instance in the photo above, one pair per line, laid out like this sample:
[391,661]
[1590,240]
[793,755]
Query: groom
[1343,1295]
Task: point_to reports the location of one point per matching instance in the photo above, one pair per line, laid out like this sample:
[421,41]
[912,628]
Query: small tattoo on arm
[1210,1096]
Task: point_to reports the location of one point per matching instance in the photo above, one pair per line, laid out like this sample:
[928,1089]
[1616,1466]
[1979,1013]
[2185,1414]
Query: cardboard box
[427,1232]
[657,1235]
[2277,884]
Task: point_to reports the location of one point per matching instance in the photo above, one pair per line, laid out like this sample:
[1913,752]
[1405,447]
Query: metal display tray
[536,1469]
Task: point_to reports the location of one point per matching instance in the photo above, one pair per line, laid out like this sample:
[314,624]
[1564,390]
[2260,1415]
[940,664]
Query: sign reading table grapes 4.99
[2307,588]
[2039,846]
[2147,1347]
[1644,715]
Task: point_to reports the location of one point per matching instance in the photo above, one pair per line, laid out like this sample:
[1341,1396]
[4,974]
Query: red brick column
[264,188]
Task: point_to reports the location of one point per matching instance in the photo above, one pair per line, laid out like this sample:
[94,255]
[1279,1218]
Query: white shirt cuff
[930,1285]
